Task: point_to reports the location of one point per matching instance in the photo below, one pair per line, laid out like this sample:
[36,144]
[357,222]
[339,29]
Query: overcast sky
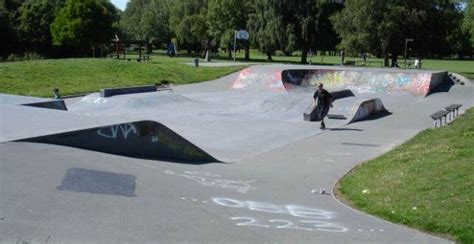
[121,4]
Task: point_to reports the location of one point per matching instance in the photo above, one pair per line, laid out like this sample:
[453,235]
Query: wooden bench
[454,109]
[438,116]
[146,57]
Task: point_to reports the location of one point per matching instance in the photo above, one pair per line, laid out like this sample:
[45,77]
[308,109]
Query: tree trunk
[247,51]
[269,56]
[230,52]
[304,56]
[394,60]
[385,60]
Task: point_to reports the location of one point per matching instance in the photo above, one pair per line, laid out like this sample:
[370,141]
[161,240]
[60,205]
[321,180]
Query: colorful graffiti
[370,82]
[360,81]
[251,78]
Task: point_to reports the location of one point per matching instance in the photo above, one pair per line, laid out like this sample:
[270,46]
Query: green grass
[75,76]
[426,183]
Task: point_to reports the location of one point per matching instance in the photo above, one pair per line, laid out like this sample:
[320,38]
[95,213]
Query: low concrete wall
[108,92]
[367,81]
[141,139]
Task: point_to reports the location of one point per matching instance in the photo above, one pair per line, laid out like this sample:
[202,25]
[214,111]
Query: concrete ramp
[141,139]
[56,104]
[360,111]
[361,81]
[369,109]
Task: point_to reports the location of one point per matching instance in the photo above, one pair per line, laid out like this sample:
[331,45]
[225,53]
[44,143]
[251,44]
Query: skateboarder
[322,100]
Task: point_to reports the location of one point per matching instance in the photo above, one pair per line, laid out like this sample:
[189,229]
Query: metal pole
[235,44]
[406,44]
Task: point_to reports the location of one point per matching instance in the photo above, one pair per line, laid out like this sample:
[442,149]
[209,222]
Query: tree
[9,41]
[266,26]
[381,26]
[446,34]
[82,24]
[307,24]
[188,21]
[469,22]
[147,20]
[35,19]
[224,17]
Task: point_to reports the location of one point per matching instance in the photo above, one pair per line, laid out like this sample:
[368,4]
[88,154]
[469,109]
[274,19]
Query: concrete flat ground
[261,193]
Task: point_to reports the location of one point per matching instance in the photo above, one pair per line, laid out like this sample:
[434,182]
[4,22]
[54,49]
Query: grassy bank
[426,183]
[73,76]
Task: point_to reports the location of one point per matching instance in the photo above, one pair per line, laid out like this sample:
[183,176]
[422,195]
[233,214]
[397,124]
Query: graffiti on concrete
[306,218]
[249,78]
[371,82]
[207,179]
[114,131]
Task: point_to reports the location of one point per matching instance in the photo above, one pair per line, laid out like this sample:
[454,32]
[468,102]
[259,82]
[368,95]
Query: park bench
[438,116]
[454,109]
[146,57]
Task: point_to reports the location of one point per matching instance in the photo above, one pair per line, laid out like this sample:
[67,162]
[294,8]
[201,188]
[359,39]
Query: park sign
[242,35]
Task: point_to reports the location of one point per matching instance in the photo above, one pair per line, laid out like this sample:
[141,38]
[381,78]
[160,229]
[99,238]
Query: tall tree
[9,41]
[34,22]
[381,26]
[266,26]
[188,22]
[224,18]
[469,22]
[147,20]
[82,24]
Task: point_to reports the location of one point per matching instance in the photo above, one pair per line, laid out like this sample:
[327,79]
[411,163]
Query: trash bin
[196,62]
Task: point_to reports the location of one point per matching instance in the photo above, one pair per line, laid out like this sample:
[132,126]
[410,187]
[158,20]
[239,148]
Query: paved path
[62,194]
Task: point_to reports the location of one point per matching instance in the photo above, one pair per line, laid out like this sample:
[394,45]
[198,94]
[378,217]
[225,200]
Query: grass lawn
[75,76]
[426,183]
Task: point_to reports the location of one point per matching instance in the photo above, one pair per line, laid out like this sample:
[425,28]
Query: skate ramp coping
[139,139]
[108,92]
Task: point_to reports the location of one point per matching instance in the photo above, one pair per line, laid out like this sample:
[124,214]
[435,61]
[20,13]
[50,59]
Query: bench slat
[439,114]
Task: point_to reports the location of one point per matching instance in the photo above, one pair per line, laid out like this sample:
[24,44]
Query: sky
[121,4]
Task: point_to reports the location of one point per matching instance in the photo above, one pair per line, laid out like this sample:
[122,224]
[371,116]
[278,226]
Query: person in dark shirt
[322,100]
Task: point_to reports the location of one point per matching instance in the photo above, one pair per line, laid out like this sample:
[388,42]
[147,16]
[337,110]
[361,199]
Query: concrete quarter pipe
[141,139]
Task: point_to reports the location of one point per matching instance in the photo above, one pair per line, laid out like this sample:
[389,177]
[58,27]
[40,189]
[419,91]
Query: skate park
[229,160]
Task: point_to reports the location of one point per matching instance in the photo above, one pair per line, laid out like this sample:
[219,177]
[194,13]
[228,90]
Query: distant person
[364,57]
[343,56]
[417,63]
[171,50]
[322,101]
[56,94]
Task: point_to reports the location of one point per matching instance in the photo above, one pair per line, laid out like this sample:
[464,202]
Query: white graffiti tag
[115,130]
[207,179]
[309,219]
